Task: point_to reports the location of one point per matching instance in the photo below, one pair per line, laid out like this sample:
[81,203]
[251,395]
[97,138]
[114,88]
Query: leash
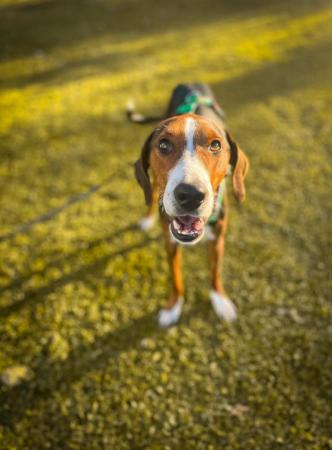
[24,228]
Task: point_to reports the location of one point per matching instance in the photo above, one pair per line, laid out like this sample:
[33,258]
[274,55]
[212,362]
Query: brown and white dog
[188,155]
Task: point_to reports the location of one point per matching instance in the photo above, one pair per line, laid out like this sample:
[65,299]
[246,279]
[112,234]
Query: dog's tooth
[176,224]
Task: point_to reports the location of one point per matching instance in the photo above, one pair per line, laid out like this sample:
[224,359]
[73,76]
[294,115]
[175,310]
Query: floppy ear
[141,171]
[240,166]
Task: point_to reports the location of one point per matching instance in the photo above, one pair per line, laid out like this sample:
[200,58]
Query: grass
[83,363]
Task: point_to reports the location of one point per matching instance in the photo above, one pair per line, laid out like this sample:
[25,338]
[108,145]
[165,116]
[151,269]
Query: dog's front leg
[171,313]
[149,219]
[223,306]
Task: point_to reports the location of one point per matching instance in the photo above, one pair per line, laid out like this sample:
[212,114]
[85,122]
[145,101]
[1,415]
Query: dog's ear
[141,171]
[240,167]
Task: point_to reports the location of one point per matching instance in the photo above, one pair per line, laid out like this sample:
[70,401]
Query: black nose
[188,196]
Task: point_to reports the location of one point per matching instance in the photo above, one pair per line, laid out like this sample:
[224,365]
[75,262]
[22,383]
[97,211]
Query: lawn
[83,364]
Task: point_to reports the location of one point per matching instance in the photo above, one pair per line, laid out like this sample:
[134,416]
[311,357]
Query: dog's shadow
[31,297]
[104,351]
[49,375]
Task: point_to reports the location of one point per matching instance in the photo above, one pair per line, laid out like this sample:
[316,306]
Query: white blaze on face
[189,135]
[189,169]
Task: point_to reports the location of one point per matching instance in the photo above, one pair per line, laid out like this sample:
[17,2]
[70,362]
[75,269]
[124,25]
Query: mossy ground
[79,294]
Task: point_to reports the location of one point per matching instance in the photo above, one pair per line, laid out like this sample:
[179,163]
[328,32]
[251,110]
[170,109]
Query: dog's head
[189,156]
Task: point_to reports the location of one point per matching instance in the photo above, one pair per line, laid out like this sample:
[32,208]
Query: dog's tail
[135,117]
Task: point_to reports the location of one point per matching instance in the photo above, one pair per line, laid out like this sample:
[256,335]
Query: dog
[183,167]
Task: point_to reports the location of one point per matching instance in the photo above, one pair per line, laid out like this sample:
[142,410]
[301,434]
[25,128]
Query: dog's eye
[215,146]
[165,146]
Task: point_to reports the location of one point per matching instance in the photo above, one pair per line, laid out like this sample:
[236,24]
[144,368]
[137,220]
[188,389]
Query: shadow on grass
[48,376]
[85,358]
[77,70]
[52,24]
[104,351]
[271,75]
[278,78]
[38,295]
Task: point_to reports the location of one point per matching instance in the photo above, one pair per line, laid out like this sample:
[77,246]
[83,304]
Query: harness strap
[192,102]
[218,204]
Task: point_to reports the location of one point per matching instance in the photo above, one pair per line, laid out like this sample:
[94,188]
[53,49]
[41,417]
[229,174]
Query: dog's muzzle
[188,226]
[188,199]
[187,229]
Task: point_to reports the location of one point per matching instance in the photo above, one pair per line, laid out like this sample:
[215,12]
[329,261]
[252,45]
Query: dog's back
[196,98]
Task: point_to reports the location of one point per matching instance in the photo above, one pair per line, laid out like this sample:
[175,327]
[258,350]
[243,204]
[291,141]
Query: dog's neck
[218,203]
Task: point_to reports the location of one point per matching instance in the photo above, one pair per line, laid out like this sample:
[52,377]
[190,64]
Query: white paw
[223,306]
[146,223]
[168,317]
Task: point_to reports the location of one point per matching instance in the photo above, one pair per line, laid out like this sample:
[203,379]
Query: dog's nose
[189,197]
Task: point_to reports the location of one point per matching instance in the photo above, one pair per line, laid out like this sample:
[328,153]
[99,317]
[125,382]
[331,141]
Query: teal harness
[219,203]
[190,105]
[192,102]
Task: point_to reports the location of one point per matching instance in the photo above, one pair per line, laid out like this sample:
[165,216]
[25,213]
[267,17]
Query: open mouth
[187,229]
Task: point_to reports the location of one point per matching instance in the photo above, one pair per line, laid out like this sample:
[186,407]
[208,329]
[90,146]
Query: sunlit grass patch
[208,53]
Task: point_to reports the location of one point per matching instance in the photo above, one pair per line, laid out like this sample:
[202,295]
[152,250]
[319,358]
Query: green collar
[220,197]
[192,102]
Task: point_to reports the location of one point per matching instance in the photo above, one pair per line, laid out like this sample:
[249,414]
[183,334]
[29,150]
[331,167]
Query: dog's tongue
[187,220]
[191,222]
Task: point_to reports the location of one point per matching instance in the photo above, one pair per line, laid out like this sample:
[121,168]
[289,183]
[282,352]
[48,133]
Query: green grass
[79,294]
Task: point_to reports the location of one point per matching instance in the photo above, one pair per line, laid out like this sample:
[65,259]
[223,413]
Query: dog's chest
[209,234]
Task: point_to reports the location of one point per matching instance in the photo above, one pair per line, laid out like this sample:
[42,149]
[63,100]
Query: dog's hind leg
[171,313]
[222,305]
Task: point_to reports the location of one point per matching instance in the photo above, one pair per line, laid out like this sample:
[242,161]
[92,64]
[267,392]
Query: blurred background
[83,364]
